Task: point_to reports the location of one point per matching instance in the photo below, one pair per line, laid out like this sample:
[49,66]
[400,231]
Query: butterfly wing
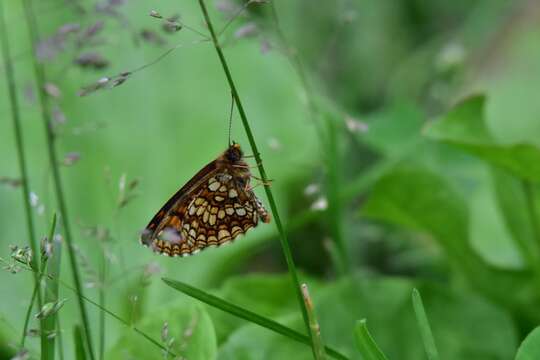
[211,211]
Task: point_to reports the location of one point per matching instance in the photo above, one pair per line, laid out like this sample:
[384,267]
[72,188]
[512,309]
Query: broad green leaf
[490,233]
[512,201]
[418,199]
[190,334]
[394,131]
[422,201]
[530,347]
[464,126]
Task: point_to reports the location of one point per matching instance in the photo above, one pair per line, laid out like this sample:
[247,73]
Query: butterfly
[212,209]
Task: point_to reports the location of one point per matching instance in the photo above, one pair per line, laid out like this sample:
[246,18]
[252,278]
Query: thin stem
[45,114]
[102,280]
[10,77]
[282,234]
[28,313]
[315,328]
[50,324]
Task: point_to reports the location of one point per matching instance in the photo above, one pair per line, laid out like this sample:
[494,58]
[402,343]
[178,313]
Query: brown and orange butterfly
[212,209]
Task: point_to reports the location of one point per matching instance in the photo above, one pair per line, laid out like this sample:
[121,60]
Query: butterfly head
[234,153]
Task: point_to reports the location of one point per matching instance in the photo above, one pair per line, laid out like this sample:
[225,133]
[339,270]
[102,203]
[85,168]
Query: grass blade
[367,346]
[314,327]
[246,314]
[282,234]
[80,354]
[423,324]
[51,294]
[39,73]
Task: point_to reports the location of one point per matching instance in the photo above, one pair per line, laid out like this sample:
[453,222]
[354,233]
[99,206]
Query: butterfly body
[212,209]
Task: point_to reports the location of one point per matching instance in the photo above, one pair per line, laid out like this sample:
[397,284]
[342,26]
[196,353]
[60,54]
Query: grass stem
[316,338]
[282,234]
[15,115]
[39,73]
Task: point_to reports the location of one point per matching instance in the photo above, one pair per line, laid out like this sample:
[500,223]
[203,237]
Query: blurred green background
[412,143]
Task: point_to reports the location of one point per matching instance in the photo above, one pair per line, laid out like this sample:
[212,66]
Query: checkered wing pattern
[214,208]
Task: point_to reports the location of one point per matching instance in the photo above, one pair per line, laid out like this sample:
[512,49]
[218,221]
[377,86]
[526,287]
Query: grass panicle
[273,207]
[367,346]
[245,314]
[423,325]
[45,110]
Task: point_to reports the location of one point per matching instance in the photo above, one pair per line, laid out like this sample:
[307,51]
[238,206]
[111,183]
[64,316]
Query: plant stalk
[282,234]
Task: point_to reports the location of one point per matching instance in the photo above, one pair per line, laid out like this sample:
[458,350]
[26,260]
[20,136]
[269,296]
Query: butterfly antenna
[230,117]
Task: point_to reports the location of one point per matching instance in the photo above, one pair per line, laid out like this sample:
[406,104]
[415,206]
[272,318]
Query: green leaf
[465,127]
[465,326]
[490,235]
[190,334]
[408,196]
[394,131]
[422,201]
[530,347]
[367,346]
[512,201]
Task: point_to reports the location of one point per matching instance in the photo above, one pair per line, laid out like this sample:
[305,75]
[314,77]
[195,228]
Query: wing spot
[221,214]
[223,188]
[199,201]
[233,193]
[214,210]
[205,216]
[214,186]
[241,212]
[229,211]
[192,233]
[192,210]
[219,198]
[224,235]
[212,220]
[236,230]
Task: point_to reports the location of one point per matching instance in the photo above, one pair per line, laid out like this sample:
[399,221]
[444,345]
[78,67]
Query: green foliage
[530,347]
[465,127]
[411,190]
